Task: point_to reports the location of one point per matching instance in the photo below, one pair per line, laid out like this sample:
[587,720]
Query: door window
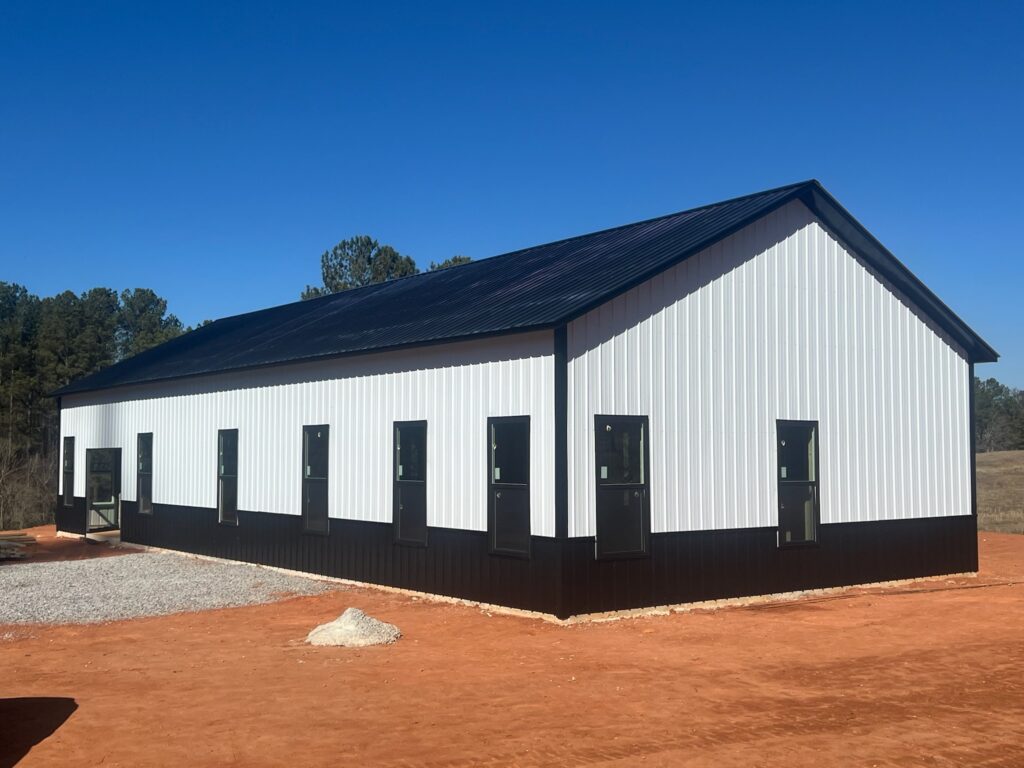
[797,448]
[144,478]
[69,471]
[510,451]
[620,451]
[411,451]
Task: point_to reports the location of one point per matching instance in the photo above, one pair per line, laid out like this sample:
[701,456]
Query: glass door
[103,488]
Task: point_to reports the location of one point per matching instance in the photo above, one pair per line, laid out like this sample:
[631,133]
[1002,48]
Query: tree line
[998,416]
[46,343]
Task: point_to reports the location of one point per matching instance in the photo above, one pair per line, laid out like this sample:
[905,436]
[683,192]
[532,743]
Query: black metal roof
[531,289]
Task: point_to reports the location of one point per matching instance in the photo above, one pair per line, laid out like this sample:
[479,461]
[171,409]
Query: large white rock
[354,629]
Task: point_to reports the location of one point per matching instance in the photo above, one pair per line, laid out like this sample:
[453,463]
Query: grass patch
[1001,491]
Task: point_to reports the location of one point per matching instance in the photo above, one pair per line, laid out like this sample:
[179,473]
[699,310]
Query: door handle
[497,495]
[636,494]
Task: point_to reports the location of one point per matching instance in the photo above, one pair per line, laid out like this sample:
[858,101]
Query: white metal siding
[455,387]
[775,322]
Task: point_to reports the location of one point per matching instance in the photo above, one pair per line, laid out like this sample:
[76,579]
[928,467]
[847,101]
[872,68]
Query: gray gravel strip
[137,584]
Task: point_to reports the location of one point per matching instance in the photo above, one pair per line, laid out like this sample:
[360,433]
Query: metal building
[750,397]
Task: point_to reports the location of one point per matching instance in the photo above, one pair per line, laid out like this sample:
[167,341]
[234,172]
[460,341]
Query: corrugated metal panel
[775,322]
[539,287]
[454,387]
[456,562]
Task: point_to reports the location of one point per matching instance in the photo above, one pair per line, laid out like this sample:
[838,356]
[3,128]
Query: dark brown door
[623,515]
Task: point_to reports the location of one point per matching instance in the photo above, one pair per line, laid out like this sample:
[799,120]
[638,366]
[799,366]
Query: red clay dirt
[926,674]
[48,546]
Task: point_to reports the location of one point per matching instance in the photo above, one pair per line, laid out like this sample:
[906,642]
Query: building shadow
[27,721]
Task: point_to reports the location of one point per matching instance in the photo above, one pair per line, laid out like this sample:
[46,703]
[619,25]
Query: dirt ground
[927,674]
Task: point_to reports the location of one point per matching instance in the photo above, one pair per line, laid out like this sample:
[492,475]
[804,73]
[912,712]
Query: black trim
[497,487]
[563,577]
[711,565]
[561,437]
[973,436]
[561,433]
[457,563]
[859,240]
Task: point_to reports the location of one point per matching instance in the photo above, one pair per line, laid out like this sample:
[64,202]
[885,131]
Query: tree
[998,416]
[44,344]
[77,335]
[356,262]
[454,261]
[143,322]
[19,385]
[59,327]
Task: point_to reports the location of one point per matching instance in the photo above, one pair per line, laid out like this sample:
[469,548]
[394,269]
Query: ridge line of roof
[653,219]
[560,241]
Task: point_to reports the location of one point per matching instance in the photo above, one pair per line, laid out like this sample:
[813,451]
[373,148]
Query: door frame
[89,453]
[646,507]
[491,420]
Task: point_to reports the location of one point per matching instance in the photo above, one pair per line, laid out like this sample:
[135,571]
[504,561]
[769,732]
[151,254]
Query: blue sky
[212,151]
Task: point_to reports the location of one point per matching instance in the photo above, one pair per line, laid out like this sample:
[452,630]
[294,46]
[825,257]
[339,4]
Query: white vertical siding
[778,321]
[455,387]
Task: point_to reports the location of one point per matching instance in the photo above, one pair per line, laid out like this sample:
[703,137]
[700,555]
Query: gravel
[137,584]
[354,629]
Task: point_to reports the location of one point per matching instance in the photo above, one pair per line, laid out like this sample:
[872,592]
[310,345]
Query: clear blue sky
[212,151]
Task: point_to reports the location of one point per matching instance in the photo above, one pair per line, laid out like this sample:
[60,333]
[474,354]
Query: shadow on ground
[25,722]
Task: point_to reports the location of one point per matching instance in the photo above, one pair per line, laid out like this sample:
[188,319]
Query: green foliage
[143,322]
[356,262]
[454,261]
[44,344]
[47,343]
[998,416]
[20,389]
[361,260]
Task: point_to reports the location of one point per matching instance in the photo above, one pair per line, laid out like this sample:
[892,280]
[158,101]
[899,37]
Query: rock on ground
[354,629]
